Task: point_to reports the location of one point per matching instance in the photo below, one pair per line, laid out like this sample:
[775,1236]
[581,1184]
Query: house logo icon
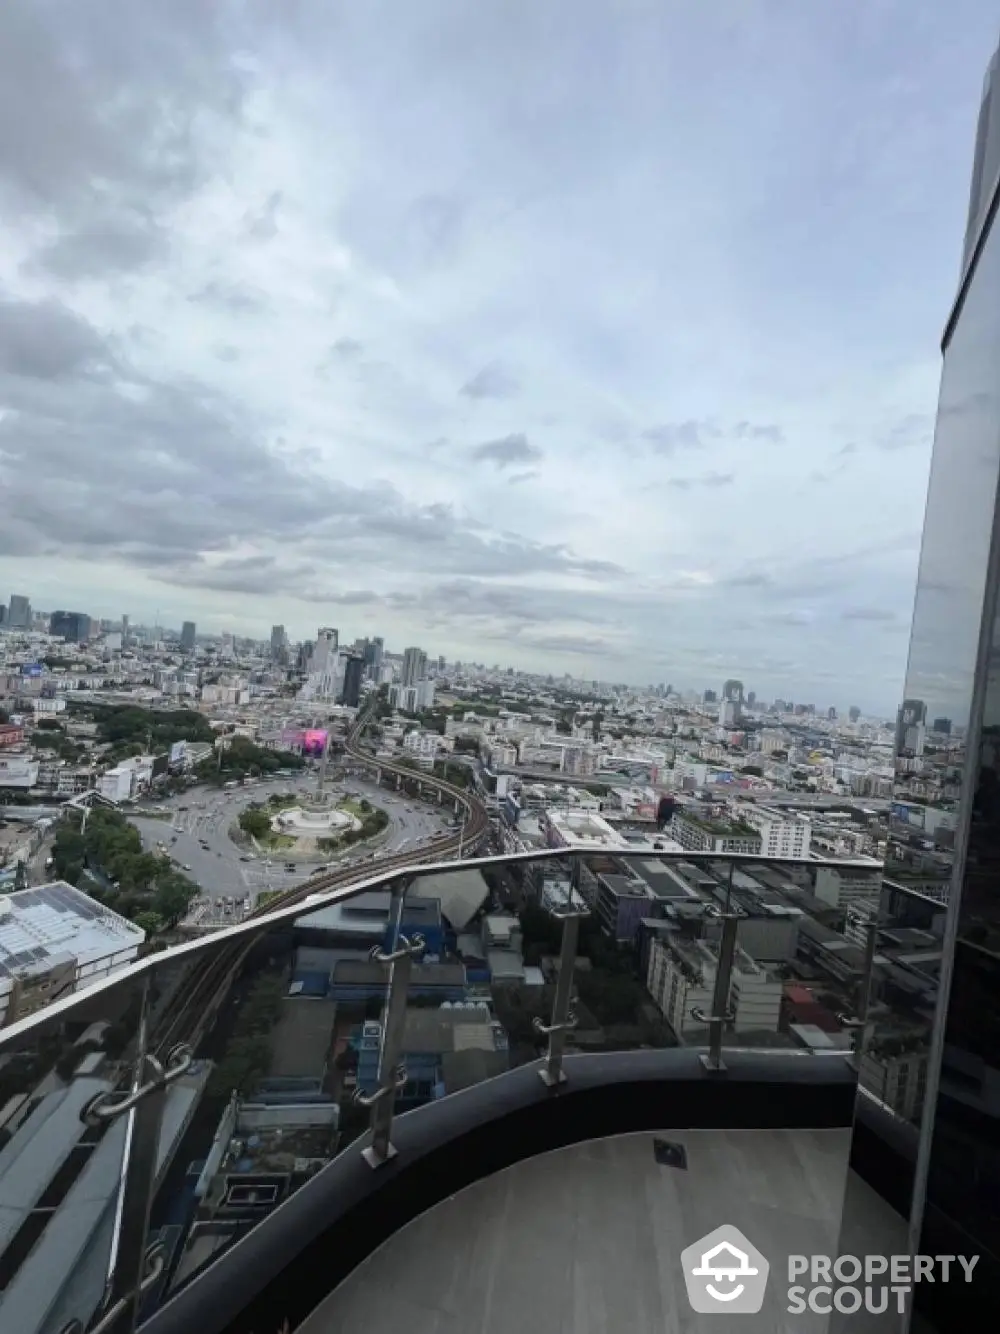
[725,1272]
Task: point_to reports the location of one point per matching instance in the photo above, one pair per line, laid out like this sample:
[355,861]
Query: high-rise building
[188,636]
[414,666]
[71,626]
[373,653]
[732,693]
[279,642]
[124,630]
[19,612]
[932,1061]
[325,650]
[854,713]
[353,670]
[911,721]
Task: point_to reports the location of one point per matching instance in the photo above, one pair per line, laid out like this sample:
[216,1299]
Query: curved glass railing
[152,1119]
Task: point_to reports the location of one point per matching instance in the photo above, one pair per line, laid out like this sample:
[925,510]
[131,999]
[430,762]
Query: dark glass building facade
[930,1078]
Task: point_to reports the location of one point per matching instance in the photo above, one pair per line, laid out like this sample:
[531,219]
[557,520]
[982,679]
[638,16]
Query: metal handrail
[253,928]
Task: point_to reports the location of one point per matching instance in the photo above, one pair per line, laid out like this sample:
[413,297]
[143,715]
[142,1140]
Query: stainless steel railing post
[391,1067]
[858,1024]
[563,1021]
[722,1012]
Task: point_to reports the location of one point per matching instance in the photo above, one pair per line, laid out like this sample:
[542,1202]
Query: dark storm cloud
[43,340]
[493,381]
[508,451]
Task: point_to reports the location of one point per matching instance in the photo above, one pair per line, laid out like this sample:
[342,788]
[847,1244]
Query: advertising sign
[177,752]
[314,741]
[32,669]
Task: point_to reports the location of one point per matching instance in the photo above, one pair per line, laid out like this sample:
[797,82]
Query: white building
[117,784]
[55,939]
[562,828]
[19,771]
[848,886]
[781,835]
[422,746]
[681,977]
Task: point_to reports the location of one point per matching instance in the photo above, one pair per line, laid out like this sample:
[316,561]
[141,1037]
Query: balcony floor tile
[588,1239]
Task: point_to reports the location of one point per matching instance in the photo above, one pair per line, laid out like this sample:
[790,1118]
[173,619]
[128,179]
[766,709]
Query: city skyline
[606,385]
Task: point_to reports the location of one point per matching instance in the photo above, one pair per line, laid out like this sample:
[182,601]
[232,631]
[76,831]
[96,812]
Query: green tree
[150,922]
[255,821]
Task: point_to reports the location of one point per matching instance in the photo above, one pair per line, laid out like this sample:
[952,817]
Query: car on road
[244,858]
[187,866]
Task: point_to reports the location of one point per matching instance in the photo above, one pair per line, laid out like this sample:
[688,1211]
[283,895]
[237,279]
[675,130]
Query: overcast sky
[588,337]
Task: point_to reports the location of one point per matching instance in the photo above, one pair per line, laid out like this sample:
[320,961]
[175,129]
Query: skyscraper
[732,693]
[931,1068]
[19,612]
[188,636]
[279,642]
[414,666]
[353,668]
[71,626]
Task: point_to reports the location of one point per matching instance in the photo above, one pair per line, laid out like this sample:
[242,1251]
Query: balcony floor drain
[669,1154]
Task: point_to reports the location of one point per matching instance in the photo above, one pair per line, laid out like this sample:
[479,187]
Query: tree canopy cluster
[146,888]
[118,723]
[242,758]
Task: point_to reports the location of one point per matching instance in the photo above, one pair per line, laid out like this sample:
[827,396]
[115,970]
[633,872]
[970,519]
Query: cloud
[507,451]
[348,347]
[104,246]
[262,224]
[912,430]
[745,430]
[669,437]
[44,340]
[516,478]
[493,381]
[708,479]
[875,614]
[230,298]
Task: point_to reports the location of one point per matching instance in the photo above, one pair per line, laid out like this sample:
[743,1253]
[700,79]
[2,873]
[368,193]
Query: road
[226,870]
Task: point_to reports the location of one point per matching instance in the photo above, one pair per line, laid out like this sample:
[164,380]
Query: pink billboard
[313,741]
[308,740]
